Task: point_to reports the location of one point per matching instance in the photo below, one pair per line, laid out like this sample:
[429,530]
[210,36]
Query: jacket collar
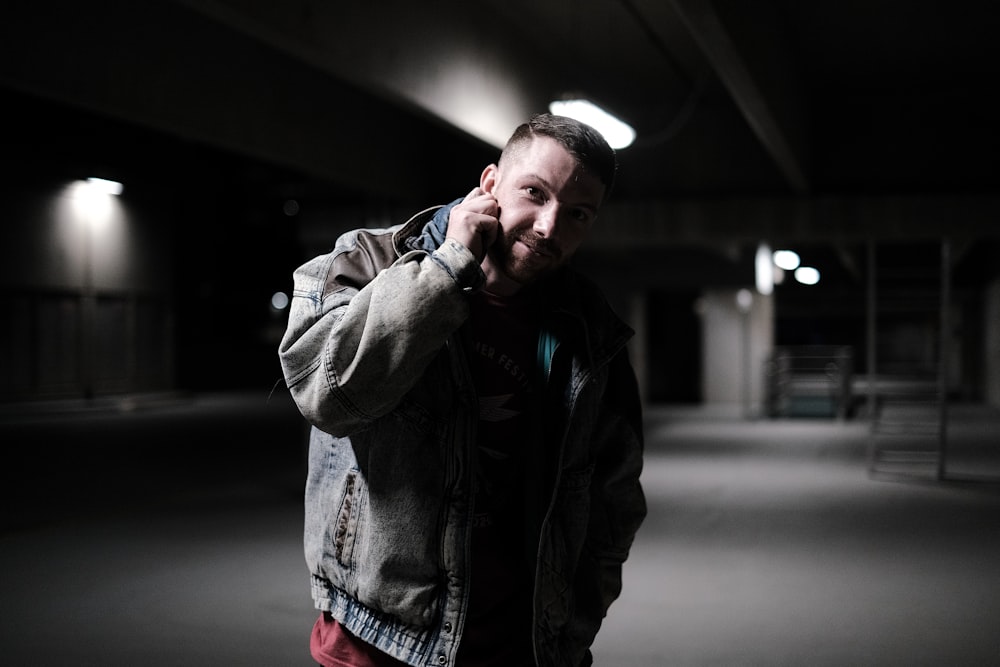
[577,312]
[425,230]
[575,308]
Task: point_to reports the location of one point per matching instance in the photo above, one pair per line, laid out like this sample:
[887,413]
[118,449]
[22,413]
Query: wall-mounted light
[616,132]
[94,202]
[106,186]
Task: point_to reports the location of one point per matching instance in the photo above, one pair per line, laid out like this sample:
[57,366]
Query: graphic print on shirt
[491,408]
[504,339]
[503,347]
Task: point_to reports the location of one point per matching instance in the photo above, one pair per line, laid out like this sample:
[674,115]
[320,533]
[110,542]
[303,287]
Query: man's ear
[488,180]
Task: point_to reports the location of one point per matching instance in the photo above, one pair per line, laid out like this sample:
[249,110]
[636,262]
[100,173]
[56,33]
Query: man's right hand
[474,222]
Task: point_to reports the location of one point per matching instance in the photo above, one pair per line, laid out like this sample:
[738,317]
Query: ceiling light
[807,275]
[617,133]
[786,259]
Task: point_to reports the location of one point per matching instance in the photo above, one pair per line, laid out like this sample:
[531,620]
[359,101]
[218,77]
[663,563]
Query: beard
[545,259]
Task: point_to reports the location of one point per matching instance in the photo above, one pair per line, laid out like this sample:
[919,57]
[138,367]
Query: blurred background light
[279,300]
[744,300]
[786,259]
[807,275]
[764,270]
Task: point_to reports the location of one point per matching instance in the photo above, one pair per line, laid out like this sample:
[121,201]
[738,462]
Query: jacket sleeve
[618,505]
[355,344]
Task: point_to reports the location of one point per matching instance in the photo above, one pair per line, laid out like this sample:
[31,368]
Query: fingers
[479,201]
[473,222]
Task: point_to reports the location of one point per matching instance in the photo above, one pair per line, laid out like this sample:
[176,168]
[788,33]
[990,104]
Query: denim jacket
[374,359]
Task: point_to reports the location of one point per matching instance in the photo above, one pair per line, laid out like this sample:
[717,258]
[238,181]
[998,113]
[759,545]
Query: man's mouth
[540,248]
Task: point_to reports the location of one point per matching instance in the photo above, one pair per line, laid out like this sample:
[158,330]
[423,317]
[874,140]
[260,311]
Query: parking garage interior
[822,460]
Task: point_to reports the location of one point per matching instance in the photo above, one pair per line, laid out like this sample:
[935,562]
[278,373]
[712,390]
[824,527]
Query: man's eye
[533,192]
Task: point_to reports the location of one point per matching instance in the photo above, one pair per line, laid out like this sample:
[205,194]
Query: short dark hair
[581,141]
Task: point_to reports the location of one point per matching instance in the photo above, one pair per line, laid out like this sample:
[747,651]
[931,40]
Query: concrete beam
[160,65]
[642,224]
[446,61]
[742,76]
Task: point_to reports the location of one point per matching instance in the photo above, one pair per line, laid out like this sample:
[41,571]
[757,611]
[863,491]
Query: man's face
[547,206]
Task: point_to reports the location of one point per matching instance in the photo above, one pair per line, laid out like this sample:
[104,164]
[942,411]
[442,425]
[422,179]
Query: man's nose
[545,221]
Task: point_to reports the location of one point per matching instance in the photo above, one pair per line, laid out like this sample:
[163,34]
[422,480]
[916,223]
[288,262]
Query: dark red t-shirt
[333,646]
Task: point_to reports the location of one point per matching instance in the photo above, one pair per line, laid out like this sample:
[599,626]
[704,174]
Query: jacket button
[442,659]
[447,626]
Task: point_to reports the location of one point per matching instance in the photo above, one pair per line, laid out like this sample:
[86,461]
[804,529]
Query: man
[473,484]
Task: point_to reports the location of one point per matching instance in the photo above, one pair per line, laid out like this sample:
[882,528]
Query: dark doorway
[674,348]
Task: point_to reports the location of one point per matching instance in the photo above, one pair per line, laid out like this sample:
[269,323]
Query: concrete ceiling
[776,119]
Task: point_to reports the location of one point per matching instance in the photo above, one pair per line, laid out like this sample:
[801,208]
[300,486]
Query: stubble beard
[525,270]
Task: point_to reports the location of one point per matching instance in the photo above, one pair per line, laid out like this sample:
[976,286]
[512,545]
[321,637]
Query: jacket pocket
[571,518]
[562,545]
[346,529]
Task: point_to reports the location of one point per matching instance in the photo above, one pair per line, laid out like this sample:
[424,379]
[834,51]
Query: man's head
[583,142]
[552,177]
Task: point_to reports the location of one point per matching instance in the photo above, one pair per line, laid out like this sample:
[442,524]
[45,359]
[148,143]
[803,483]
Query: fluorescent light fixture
[106,186]
[807,275]
[618,134]
[786,259]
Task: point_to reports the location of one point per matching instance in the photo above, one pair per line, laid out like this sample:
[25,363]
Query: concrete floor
[167,531]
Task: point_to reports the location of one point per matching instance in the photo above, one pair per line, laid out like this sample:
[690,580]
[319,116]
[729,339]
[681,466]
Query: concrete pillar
[639,345]
[991,338]
[738,339]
